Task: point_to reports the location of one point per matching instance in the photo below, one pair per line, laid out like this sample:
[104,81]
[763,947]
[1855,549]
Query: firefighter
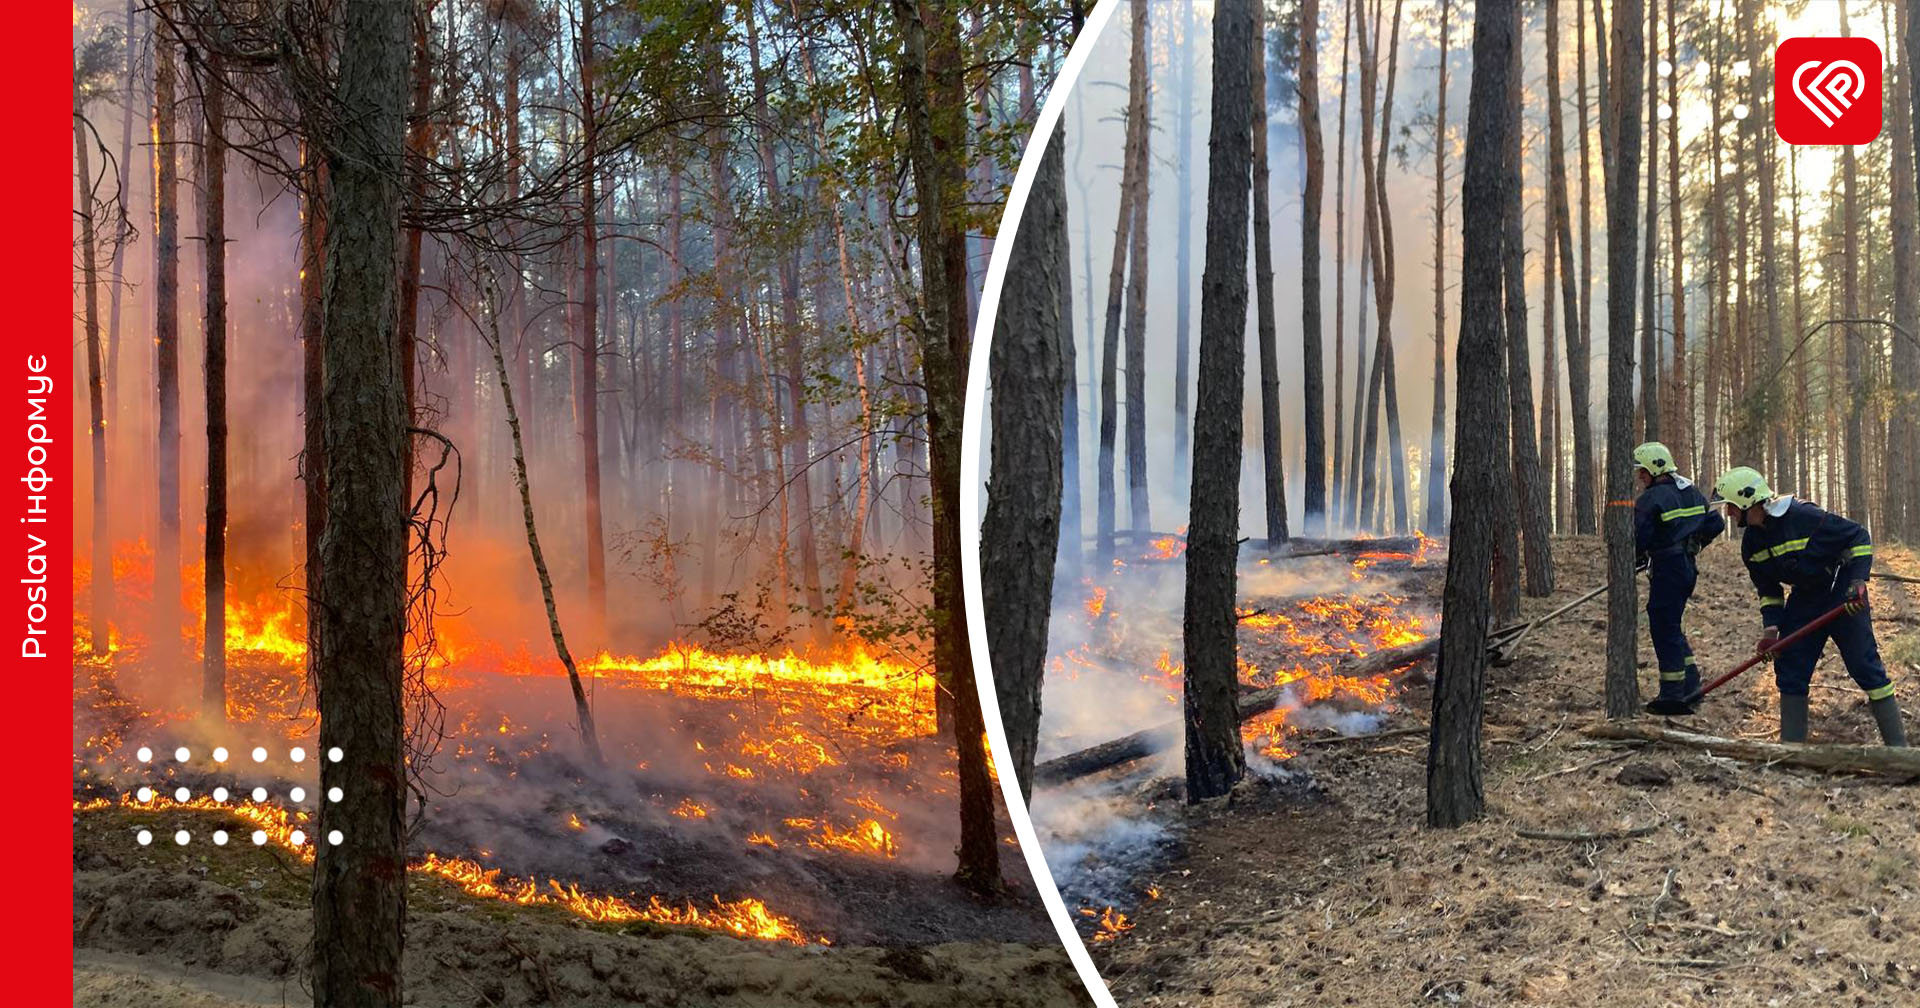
[1670,525]
[1825,559]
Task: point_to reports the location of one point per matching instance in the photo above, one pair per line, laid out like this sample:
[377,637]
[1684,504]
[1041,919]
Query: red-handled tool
[1674,708]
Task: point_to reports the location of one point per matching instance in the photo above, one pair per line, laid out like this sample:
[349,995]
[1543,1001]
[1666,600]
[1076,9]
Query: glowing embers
[864,837]
[747,918]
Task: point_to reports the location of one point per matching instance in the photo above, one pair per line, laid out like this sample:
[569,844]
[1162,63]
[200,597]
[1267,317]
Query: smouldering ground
[1761,886]
[189,927]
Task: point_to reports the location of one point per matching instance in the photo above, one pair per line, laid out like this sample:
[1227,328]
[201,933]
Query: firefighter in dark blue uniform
[1670,524]
[1826,560]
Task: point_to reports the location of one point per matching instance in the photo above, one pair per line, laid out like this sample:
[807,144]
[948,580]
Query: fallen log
[1141,744]
[1830,758]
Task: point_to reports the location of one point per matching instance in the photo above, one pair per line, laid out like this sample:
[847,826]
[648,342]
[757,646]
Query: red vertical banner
[38,369]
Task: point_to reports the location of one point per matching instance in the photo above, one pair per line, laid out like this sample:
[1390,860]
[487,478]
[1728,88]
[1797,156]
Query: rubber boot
[1793,718]
[1886,714]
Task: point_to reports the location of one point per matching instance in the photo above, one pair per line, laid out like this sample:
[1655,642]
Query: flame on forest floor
[745,918]
[1108,924]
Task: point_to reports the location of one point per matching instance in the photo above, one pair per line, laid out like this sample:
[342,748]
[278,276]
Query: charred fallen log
[1142,744]
[1900,762]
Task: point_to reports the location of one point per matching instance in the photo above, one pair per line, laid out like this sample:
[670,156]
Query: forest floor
[175,927]
[1759,885]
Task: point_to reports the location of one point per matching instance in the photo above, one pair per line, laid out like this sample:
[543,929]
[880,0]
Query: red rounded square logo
[1827,90]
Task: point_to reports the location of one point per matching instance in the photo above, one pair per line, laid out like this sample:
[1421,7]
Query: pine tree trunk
[359,883]
[1183,256]
[589,378]
[166,345]
[930,74]
[1109,363]
[1621,160]
[100,601]
[1454,790]
[1768,279]
[117,269]
[1852,447]
[213,183]
[1337,501]
[1273,465]
[1650,373]
[1139,511]
[1586,478]
[1530,496]
[313,453]
[1215,757]
[1679,425]
[1312,369]
[1433,514]
[1022,521]
[1904,438]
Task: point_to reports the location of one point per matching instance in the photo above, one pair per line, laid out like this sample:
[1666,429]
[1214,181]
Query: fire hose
[1685,706]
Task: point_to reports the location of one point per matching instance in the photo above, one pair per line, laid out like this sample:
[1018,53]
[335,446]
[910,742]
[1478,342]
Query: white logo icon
[1832,90]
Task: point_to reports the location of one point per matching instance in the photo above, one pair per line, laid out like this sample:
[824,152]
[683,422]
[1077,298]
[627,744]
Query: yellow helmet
[1742,486]
[1654,458]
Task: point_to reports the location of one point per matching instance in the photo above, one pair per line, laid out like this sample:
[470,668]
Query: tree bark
[1434,513]
[1183,255]
[1455,793]
[1586,479]
[930,70]
[1216,759]
[1139,511]
[166,342]
[213,184]
[1273,465]
[1109,363]
[1852,448]
[1022,523]
[1903,448]
[313,452]
[359,884]
[589,404]
[1679,428]
[100,600]
[1530,496]
[1336,503]
[1313,366]
[1621,160]
[1649,305]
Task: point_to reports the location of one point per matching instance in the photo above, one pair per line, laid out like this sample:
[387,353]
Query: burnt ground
[189,927]
[1759,885]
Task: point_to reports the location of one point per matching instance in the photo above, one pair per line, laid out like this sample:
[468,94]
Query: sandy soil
[166,927]
[1761,886]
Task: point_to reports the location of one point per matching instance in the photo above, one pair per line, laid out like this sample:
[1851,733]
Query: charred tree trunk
[359,883]
[1312,369]
[1216,759]
[213,184]
[1621,159]
[99,620]
[1022,522]
[1273,466]
[1454,790]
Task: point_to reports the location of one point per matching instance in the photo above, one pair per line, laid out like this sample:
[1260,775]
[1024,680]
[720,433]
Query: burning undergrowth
[797,798]
[1115,671]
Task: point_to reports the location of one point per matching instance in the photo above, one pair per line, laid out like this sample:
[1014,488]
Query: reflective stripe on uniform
[1877,693]
[1666,676]
[1771,600]
[1860,551]
[1790,546]
[1685,512]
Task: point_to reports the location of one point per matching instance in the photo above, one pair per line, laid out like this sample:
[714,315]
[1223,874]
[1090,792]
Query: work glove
[1768,640]
[1857,598]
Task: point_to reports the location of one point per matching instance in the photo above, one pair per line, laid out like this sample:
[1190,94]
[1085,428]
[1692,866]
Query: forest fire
[805,755]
